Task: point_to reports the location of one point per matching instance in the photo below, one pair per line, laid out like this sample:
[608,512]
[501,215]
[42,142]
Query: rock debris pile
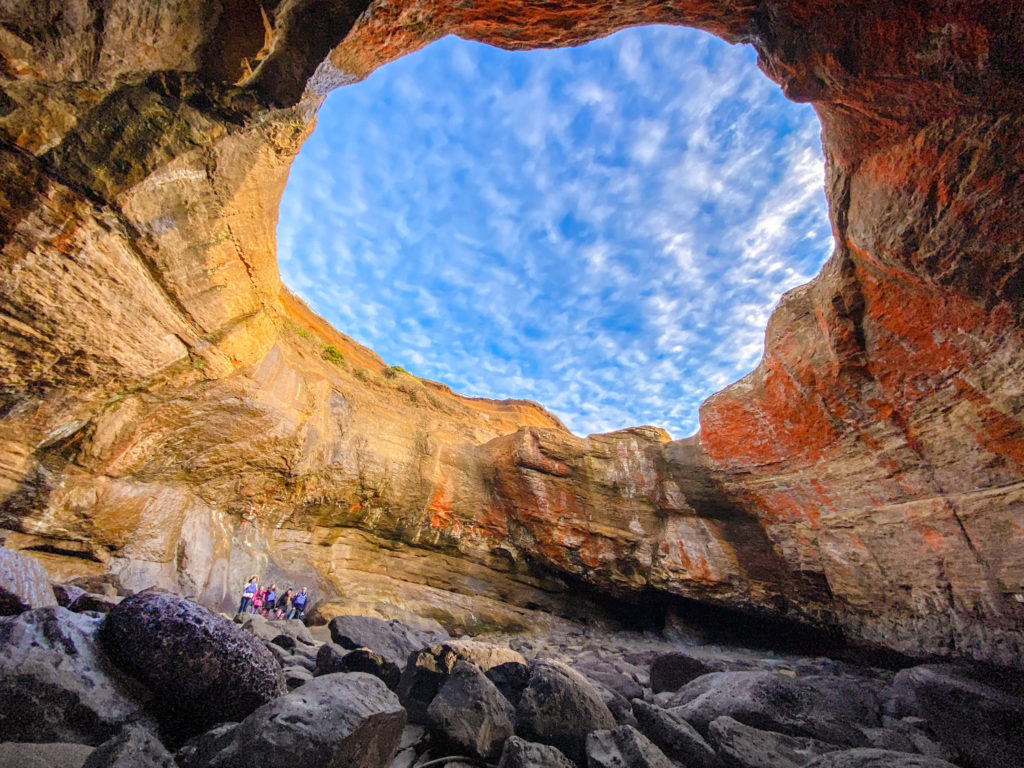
[161,681]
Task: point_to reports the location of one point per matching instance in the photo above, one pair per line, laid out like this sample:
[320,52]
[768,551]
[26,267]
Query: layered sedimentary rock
[170,414]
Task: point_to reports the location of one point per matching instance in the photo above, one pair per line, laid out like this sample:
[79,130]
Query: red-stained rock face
[168,414]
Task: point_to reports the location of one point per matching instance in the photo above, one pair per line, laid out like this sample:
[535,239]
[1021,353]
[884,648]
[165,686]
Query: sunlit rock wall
[169,414]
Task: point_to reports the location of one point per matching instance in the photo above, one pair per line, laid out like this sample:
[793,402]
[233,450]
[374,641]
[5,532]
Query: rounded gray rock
[333,721]
[560,707]
[202,668]
[520,753]
[624,747]
[470,713]
[56,684]
[876,758]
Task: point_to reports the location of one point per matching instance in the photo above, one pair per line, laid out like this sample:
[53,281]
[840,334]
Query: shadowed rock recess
[172,416]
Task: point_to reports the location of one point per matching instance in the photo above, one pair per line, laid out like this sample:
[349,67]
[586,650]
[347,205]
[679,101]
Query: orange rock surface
[171,415]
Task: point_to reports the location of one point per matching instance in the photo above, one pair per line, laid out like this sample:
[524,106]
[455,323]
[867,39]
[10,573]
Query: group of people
[266,602]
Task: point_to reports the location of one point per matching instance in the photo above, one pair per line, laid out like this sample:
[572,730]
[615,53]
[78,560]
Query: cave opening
[602,229]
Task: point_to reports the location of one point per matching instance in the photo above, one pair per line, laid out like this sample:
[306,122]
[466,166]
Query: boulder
[333,721]
[268,630]
[606,674]
[133,747]
[560,707]
[674,736]
[202,668]
[470,713]
[24,584]
[66,594]
[294,676]
[828,708]
[429,667]
[199,750]
[330,659]
[977,720]
[392,640]
[88,601]
[879,758]
[520,753]
[14,754]
[623,747]
[671,671]
[744,747]
[365,660]
[511,679]
[56,685]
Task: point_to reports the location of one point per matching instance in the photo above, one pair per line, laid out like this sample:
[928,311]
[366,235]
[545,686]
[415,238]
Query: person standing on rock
[298,605]
[257,601]
[284,605]
[269,601]
[248,594]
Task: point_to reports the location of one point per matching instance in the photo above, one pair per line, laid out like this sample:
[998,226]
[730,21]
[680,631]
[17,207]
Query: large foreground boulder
[24,584]
[56,685]
[333,721]
[980,722]
[202,668]
[470,713]
[560,707]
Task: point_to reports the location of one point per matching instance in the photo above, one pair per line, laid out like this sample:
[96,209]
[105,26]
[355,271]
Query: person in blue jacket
[298,605]
[248,594]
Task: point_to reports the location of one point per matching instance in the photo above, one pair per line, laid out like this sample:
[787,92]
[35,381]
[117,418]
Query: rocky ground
[153,679]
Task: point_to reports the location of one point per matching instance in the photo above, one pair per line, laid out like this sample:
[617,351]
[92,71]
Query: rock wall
[171,415]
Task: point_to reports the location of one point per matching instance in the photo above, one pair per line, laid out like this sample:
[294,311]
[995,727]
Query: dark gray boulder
[623,747]
[470,713]
[429,668]
[365,660]
[333,721]
[199,750]
[202,668]
[56,684]
[879,758]
[744,747]
[829,708]
[520,753]
[133,747]
[391,640]
[674,736]
[511,679]
[24,584]
[330,659]
[671,671]
[66,594]
[980,722]
[29,755]
[560,707]
[269,630]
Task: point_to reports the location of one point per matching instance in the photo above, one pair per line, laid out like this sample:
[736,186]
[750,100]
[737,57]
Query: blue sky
[603,229]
